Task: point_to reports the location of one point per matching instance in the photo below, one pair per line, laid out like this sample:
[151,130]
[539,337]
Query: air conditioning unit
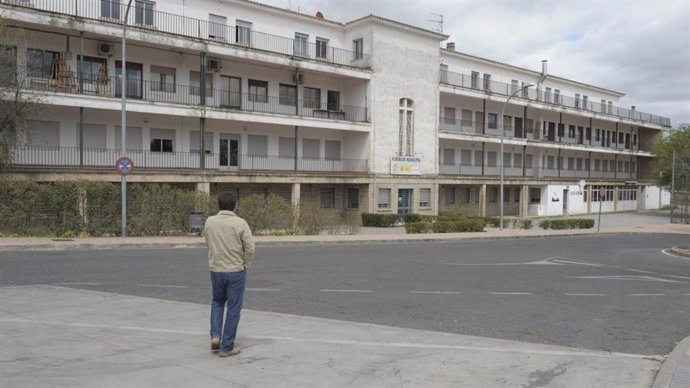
[105,48]
[213,65]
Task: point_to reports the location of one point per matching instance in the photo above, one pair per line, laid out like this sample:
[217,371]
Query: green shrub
[379,220]
[522,224]
[450,216]
[418,227]
[570,223]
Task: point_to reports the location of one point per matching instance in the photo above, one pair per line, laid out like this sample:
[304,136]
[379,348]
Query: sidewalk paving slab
[53,336]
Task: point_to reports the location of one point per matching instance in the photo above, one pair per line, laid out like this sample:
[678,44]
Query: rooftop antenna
[438,21]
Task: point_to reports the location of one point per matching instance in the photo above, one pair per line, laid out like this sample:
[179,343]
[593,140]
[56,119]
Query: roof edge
[398,24]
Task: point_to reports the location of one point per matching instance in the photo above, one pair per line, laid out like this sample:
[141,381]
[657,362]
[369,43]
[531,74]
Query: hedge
[379,220]
[440,226]
[569,223]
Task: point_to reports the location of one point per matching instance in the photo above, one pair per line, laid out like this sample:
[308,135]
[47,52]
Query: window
[610,107]
[506,194]
[478,158]
[286,147]
[352,198]
[195,83]
[321,48]
[603,106]
[571,163]
[491,159]
[597,165]
[475,80]
[492,194]
[448,115]
[312,98]
[551,162]
[517,160]
[333,100]
[465,195]
[406,127]
[243,32]
[163,79]
[621,138]
[450,195]
[311,148]
[443,71]
[110,9]
[162,140]
[257,145]
[258,91]
[143,13]
[556,96]
[528,161]
[547,95]
[507,159]
[585,102]
[627,193]
[534,195]
[514,86]
[285,192]
[95,136]
[333,150]
[8,64]
[608,193]
[525,92]
[328,198]
[587,164]
[588,133]
[40,63]
[424,197]
[516,198]
[448,156]
[597,134]
[579,164]
[493,121]
[577,101]
[287,95]
[43,133]
[466,157]
[561,130]
[358,48]
[571,131]
[217,27]
[487,82]
[300,44]
[94,69]
[194,141]
[384,199]
[635,139]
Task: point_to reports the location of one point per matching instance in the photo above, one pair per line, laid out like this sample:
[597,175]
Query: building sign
[406,165]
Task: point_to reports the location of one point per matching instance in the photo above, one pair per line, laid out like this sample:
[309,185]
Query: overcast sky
[637,47]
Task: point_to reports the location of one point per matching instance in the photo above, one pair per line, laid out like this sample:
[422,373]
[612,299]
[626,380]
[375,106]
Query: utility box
[196,223]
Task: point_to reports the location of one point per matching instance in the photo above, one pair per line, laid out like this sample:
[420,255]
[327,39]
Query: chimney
[543,67]
[450,46]
[319,15]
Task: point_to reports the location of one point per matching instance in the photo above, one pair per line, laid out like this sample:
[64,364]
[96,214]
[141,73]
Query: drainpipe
[542,77]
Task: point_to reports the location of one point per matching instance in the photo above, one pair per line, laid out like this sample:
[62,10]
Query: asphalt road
[617,293]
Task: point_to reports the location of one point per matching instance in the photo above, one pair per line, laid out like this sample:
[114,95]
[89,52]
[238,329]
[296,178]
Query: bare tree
[16,106]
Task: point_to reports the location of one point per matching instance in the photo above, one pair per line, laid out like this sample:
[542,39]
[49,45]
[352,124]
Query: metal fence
[40,156]
[494,87]
[680,196]
[175,93]
[143,16]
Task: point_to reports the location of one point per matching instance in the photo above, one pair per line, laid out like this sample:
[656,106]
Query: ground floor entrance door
[565,201]
[404,201]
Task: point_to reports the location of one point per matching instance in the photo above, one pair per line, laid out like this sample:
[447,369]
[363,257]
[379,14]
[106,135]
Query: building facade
[370,115]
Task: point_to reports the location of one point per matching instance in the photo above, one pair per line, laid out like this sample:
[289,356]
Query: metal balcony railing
[191,95]
[41,156]
[495,87]
[143,16]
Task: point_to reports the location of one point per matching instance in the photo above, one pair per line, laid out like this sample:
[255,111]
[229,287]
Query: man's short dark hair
[227,201]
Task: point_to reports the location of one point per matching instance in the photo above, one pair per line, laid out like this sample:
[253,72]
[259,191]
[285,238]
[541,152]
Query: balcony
[146,18]
[529,171]
[36,156]
[504,89]
[191,95]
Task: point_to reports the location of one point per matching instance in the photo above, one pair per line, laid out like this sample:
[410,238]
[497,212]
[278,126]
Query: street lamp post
[123,125]
[501,164]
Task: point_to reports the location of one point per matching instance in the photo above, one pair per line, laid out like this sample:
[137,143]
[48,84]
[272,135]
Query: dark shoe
[215,344]
[235,351]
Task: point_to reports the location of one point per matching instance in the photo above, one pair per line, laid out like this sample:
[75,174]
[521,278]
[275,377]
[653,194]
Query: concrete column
[296,192]
[204,187]
[524,201]
[615,198]
[482,201]
[639,195]
[589,197]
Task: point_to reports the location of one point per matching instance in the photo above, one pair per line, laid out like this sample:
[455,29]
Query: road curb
[285,242]
[668,368]
[681,250]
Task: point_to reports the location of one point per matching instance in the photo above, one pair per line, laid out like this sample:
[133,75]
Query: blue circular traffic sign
[124,166]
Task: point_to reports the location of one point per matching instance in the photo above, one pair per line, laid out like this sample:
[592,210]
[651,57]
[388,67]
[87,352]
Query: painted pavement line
[496,349]
[646,294]
[329,290]
[437,292]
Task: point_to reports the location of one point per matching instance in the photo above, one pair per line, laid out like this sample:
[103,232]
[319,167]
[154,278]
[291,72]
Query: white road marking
[263,289]
[510,293]
[679,277]
[664,251]
[327,290]
[416,345]
[585,294]
[436,292]
[627,277]
[160,286]
[646,294]
[77,284]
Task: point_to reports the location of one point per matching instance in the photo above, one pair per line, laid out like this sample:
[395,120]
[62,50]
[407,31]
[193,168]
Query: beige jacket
[230,242]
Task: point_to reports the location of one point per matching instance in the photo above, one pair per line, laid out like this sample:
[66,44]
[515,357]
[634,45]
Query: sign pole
[602,194]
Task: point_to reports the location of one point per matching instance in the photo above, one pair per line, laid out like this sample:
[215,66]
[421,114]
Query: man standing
[230,254]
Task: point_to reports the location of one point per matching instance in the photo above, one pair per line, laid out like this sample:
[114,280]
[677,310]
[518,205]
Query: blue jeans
[228,288]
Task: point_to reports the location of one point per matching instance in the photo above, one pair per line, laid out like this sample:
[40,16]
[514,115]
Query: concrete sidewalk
[51,336]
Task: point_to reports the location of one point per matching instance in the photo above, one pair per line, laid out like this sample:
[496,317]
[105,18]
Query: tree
[16,106]
[679,141]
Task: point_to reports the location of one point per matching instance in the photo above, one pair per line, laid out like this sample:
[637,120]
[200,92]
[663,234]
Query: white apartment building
[370,115]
